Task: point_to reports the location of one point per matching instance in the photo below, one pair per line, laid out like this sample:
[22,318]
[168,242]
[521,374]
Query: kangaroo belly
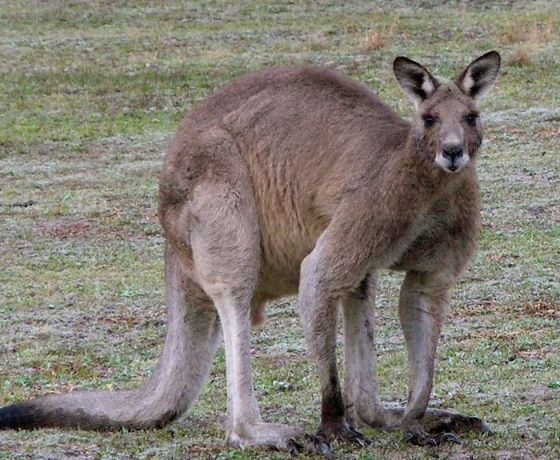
[288,235]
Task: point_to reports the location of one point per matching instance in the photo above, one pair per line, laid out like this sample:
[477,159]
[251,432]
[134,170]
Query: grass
[90,93]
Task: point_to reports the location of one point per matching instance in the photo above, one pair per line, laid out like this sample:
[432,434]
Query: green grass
[90,94]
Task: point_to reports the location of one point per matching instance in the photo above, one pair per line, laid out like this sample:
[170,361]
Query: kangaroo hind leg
[225,245]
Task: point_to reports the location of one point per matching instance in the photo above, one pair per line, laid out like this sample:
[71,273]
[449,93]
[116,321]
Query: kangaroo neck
[412,179]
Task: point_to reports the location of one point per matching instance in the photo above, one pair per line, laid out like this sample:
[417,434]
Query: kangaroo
[301,180]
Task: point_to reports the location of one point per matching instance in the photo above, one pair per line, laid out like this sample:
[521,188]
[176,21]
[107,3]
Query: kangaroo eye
[429,121]
[471,119]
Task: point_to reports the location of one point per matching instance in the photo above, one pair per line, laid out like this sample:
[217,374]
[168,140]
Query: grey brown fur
[301,180]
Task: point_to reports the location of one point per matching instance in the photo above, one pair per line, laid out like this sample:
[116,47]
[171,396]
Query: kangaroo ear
[415,80]
[479,77]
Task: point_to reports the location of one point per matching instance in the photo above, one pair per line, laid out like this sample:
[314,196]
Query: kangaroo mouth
[454,165]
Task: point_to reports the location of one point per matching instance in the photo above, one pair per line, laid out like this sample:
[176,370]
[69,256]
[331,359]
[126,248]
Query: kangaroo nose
[452,151]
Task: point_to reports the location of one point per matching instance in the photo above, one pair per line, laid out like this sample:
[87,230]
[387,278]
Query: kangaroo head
[446,125]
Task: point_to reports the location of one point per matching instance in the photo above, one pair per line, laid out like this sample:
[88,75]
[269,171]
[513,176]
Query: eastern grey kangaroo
[301,180]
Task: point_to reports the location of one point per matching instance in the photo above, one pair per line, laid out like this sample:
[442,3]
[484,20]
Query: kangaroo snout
[452,157]
[452,151]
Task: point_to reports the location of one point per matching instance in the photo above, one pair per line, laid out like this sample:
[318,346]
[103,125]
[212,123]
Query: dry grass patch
[66,228]
[375,41]
[543,309]
[530,30]
[317,41]
[521,56]
[216,54]
[549,133]
[537,308]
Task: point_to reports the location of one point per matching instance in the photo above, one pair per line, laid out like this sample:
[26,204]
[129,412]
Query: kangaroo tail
[192,338]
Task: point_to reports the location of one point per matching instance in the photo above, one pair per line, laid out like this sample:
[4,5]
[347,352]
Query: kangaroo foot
[280,437]
[437,427]
[434,420]
[311,445]
[341,431]
[439,421]
[421,438]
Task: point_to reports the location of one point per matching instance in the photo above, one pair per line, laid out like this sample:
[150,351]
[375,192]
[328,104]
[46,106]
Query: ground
[90,94]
